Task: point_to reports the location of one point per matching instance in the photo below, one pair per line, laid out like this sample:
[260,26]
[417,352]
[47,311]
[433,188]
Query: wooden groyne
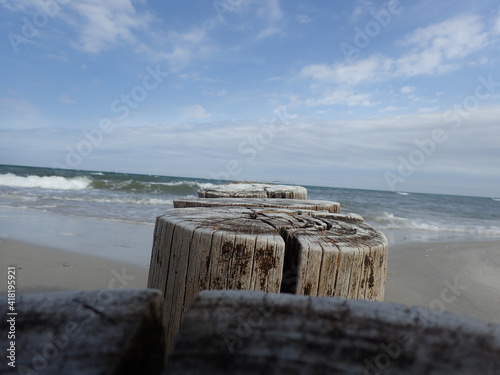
[288,246]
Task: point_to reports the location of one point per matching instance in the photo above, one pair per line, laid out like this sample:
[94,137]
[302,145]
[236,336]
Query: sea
[51,206]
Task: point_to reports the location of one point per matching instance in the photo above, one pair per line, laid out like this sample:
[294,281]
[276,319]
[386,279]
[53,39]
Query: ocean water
[139,199]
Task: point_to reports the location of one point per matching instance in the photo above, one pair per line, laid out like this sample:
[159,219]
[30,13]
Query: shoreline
[113,240]
[458,277]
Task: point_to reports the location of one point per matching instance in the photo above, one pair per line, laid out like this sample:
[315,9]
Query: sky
[395,95]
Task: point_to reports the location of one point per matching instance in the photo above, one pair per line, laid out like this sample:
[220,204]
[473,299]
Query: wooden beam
[243,332]
[96,332]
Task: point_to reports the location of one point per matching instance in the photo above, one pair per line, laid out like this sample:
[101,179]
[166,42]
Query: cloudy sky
[398,95]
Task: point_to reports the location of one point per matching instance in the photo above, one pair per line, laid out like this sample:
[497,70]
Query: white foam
[45,182]
[126,200]
[389,221]
[188,183]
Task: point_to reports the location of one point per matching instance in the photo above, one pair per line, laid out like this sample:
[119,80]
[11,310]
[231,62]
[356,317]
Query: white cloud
[194,36]
[270,31]
[438,47]
[369,69]
[320,149]
[221,92]
[435,49]
[497,23]
[20,114]
[16,5]
[271,10]
[389,108]
[105,24]
[195,112]
[340,96]
[407,89]
[362,7]
[177,48]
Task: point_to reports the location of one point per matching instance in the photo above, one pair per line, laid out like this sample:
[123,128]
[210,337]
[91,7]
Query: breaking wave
[389,221]
[45,182]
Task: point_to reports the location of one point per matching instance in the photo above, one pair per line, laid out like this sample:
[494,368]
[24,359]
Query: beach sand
[44,269]
[462,278]
[456,277]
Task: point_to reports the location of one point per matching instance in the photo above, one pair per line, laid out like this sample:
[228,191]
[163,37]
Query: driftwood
[253,190]
[97,332]
[273,250]
[231,332]
[296,204]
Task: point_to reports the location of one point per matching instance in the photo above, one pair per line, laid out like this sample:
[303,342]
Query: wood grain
[97,332]
[243,332]
[267,249]
[253,190]
[296,204]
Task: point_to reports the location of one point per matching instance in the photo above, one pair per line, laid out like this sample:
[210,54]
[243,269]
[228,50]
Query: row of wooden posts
[242,285]
[263,238]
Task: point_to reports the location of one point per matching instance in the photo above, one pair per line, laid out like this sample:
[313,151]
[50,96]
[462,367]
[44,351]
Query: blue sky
[396,95]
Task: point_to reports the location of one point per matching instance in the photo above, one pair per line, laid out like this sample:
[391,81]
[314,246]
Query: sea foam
[45,182]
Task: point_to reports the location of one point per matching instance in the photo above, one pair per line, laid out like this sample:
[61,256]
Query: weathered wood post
[242,332]
[253,190]
[268,249]
[295,204]
[80,333]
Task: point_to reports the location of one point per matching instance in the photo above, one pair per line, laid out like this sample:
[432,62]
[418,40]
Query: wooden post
[242,332]
[267,249]
[96,332]
[296,204]
[253,190]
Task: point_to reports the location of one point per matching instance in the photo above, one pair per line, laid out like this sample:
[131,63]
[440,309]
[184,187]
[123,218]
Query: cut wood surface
[266,249]
[253,190]
[296,204]
[97,332]
[242,332]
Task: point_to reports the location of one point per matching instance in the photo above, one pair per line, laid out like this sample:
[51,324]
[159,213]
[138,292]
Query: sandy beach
[44,269]
[459,277]
[455,277]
